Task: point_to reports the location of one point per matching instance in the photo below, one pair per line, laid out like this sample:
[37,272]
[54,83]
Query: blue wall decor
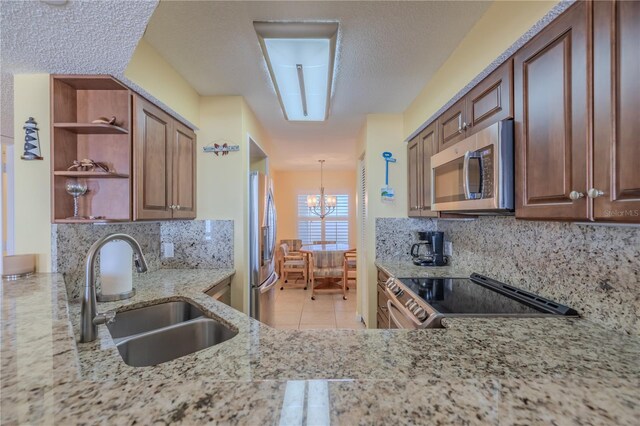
[387,193]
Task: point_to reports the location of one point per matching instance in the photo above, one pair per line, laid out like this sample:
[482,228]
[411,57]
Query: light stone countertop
[404,269]
[476,371]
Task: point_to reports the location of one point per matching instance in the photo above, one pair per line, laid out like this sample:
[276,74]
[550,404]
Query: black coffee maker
[430,250]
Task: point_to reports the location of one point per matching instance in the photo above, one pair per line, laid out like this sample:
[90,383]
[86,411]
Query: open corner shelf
[91,128]
[101,175]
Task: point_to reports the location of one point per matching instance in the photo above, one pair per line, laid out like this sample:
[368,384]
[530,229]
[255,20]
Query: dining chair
[294,245]
[326,267]
[292,264]
[323,242]
[350,267]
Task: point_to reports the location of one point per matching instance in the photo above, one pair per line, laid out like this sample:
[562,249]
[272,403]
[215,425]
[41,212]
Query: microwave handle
[465,172]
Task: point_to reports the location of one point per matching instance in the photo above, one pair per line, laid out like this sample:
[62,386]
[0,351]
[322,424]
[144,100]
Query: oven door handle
[391,307]
[466,184]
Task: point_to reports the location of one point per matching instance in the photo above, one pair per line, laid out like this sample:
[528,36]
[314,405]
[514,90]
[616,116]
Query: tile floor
[294,309]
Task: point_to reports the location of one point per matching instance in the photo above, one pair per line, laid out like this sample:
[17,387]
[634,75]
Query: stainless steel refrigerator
[262,244]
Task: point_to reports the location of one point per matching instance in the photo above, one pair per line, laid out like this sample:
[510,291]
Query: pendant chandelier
[325,204]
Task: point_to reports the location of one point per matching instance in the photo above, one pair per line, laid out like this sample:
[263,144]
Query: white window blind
[335,226]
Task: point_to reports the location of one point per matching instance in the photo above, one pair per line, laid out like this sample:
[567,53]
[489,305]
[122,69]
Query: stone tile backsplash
[394,236]
[197,244]
[70,244]
[594,269]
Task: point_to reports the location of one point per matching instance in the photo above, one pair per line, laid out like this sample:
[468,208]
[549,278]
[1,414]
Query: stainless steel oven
[476,174]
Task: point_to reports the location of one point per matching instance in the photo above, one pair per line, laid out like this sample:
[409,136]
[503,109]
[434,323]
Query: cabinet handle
[172,206]
[575,195]
[594,193]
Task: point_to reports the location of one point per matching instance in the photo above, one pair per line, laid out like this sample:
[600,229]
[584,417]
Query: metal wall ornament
[31,141]
[221,146]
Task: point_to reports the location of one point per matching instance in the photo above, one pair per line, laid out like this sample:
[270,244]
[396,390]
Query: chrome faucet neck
[89,318]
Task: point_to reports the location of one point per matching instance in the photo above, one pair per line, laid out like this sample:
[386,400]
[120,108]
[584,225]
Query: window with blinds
[334,227]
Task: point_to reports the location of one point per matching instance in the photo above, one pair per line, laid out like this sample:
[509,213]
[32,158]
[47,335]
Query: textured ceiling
[387,51]
[79,37]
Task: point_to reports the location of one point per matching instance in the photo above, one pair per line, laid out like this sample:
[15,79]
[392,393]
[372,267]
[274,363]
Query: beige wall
[382,132]
[32,195]
[501,25]
[289,184]
[150,71]
[223,181]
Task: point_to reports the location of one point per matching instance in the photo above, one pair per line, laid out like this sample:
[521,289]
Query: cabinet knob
[575,195]
[178,207]
[172,206]
[595,193]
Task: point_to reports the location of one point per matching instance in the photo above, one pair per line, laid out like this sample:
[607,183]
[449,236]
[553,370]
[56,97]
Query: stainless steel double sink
[163,332]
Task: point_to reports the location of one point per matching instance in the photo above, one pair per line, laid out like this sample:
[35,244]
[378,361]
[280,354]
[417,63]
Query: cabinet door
[184,172]
[491,100]
[429,141]
[383,312]
[451,125]
[616,58]
[552,119]
[152,161]
[414,178]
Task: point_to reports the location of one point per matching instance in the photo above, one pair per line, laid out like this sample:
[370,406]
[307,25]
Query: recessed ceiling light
[300,57]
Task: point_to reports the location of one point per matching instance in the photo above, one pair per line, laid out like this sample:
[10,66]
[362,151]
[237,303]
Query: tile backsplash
[70,244]
[197,244]
[594,269]
[394,236]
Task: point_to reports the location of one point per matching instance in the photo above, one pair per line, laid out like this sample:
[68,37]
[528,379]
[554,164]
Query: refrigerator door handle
[269,284]
[265,248]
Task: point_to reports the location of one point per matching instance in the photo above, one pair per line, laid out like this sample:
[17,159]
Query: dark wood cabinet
[414,168]
[164,165]
[152,161]
[552,105]
[150,156]
[488,102]
[616,127]
[419,152]
[491,100]
[451,125]
[184,172]
[382,314]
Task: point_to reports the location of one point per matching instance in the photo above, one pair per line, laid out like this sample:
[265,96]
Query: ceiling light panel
[300,58]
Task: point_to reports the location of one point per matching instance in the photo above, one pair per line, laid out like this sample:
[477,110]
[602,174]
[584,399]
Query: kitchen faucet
[89,318]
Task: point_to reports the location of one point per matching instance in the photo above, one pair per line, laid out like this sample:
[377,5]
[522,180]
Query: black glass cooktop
[481,295]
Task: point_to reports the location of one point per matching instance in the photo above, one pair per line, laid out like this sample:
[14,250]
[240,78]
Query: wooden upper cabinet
[184,172]
[616,126]
[451,125]
[491,100]
[414,184]
[429,141]
[164,165]
[552,119]
[152,161]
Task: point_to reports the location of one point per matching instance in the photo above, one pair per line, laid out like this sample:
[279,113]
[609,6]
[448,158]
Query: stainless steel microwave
[476,174]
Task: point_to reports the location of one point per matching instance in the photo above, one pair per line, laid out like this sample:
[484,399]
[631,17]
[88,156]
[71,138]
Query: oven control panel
[408,311]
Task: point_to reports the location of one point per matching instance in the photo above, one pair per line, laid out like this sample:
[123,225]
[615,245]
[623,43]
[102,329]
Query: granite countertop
[406,269]
[475,371]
